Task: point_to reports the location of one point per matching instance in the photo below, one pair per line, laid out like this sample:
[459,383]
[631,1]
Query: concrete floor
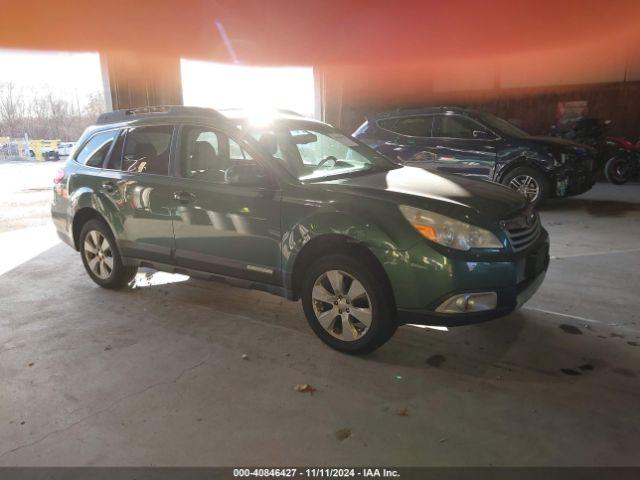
[155,375]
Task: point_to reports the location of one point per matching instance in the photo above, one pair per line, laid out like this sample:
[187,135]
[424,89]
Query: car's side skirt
[203,275]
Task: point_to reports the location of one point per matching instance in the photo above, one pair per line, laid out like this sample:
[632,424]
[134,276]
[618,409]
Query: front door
[411,143]
[222,226]
[461,145]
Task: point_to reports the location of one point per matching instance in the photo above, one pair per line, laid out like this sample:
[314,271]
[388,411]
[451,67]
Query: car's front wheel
[101,257]
[529,182]
[347,304]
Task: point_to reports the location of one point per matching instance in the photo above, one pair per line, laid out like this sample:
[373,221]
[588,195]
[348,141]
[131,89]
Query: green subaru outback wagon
[295,207]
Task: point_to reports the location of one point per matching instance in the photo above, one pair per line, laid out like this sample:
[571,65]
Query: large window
[96,149]
[147,150]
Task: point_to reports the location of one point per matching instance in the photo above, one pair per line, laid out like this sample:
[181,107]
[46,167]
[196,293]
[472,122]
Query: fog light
[469,302]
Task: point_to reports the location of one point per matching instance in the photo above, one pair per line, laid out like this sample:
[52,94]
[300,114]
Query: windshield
[312,152]
[503,127]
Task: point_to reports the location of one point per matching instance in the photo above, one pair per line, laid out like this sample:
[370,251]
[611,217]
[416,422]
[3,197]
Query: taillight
[57,180]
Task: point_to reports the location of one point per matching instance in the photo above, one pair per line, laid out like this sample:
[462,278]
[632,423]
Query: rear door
[143,191]
[221,226]
[411,142]
[463,146]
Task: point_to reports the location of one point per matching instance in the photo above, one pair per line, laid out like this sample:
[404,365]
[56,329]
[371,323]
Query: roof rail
[240,110]
[154,111]
[417,110]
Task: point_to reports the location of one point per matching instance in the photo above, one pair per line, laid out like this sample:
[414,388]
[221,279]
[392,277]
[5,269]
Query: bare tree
[12,109]
[45,115]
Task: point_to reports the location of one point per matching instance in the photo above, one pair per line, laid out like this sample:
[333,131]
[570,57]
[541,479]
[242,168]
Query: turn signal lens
[448,231]
[426,231]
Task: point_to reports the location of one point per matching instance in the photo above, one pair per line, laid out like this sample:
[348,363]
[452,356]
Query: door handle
[184,197]
[109,186]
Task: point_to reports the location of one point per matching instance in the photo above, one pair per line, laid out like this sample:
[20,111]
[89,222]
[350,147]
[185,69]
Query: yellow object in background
[39,147]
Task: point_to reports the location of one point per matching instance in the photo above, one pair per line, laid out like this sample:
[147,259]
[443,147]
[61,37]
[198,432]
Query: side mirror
[249,175]
[482,135]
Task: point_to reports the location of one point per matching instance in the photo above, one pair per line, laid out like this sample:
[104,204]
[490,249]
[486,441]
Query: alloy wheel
[342,305]
[527,186]
[98,254]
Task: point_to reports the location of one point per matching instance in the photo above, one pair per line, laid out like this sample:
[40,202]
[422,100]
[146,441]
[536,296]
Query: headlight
[449,232]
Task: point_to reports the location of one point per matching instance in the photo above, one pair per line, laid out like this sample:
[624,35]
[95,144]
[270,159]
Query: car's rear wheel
[347,304]
[101,257]
[529,182]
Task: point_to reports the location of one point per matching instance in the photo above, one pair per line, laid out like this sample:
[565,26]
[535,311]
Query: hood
[556,142]
[452,195]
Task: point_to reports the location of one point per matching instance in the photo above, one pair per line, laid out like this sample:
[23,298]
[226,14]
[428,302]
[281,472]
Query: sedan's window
[96,149]
[414,126]
[147,150]
[456,126]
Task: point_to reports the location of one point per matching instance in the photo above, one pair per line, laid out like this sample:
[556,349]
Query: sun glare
[255,89]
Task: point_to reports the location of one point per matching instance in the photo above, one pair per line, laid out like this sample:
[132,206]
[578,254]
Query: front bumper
[568,182]
[514,282]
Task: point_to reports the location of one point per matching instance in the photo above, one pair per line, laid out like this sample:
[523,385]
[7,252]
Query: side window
[208,155]
[201,154]
[415,126]
[114,162]
[456,126]
[388,124]
[96,149]
[147,150]
[268,140]
[237,153]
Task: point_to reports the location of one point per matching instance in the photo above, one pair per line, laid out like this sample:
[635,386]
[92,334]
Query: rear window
[96,149]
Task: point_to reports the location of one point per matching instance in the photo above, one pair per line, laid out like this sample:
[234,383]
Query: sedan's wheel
[527,186]
[101,258]
[529,182]
[342,305]
[98,254]
[348,304]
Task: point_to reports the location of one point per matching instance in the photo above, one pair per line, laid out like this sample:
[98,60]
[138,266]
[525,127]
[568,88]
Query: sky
[70,75]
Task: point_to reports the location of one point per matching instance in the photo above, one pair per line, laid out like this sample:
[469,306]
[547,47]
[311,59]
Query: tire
[97,257]
[522,179]
[359,338]
[617,170]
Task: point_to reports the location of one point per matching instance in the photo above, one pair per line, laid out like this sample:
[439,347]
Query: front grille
[523,231]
